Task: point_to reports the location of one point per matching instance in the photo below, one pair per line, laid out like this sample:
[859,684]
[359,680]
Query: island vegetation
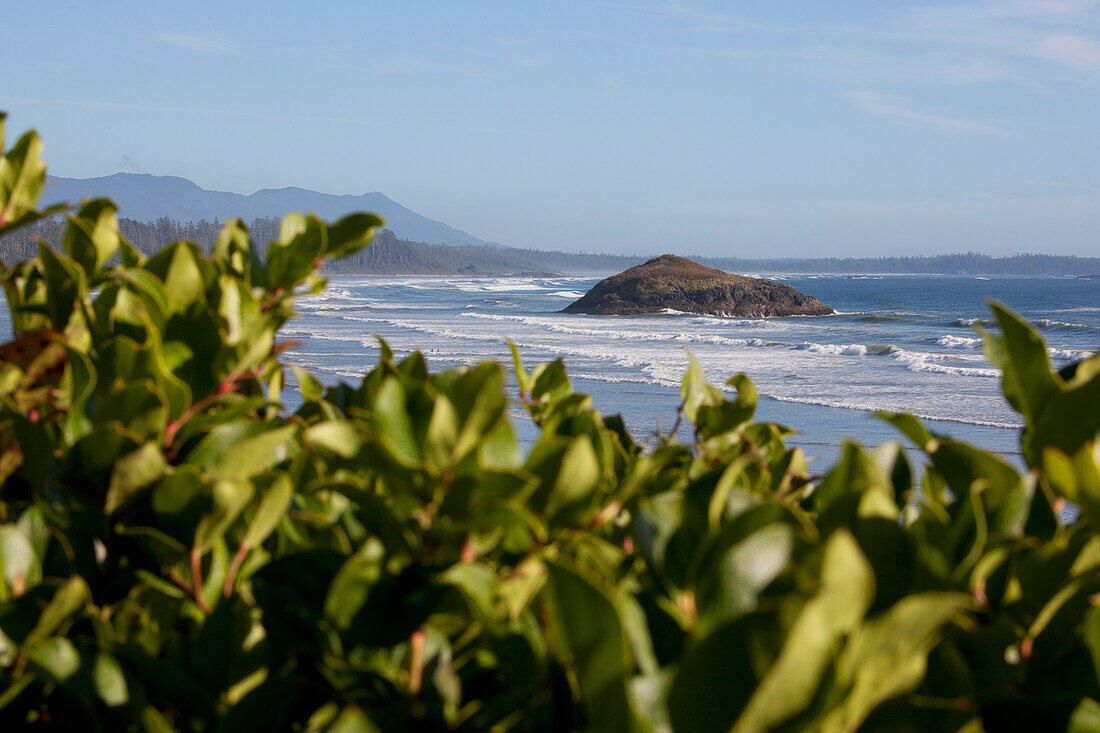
[180,551]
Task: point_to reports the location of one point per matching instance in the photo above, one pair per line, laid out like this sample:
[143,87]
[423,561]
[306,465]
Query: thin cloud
[977,71]
[1011,31]
[884,106]
[1084,53]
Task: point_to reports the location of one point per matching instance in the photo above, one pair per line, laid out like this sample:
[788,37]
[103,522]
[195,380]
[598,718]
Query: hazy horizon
[794,131]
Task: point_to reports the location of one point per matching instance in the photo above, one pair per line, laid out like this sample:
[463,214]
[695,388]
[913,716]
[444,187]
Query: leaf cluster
[178,551]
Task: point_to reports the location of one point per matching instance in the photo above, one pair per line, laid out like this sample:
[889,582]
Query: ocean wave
[937,368]
[958,342]
[1069,354]
[1048,324]
[367,342]
[968,322]
[556,326]
[913,360]
[834,349]
[885,318]
[798,399]
[496,285]
[566,294]
[728,321]
[661,367]
[669,376]
[961,342]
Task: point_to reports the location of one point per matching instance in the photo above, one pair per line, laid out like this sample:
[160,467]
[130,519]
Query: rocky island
[669,282]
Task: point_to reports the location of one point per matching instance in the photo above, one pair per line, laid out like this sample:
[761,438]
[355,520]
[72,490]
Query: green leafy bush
[179,552]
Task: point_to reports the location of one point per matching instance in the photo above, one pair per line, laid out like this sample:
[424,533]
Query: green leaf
[140,405]
[65,286]
[1085,718]
[177,268]
[310,386]
[1069,419]
[20,563]
[442,434]
[589,638]
[69,600]
[274,503]
[855,472]
[549,382]
[228,500]
[352,585]
[226,456]
[911,427]
[110,683]
[838,607]
[1077,478]
[91,238]
[694,390]
[301,244]
[56,657]
[132,473]
[478,584]
[748,554]
[337,436]
[392,422]
[523,380]
[22,176]
[352,233]
[888,655]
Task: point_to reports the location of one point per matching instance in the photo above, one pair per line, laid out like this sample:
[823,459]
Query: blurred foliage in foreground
[179,552]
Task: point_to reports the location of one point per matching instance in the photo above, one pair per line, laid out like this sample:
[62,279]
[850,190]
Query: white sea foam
[727,321]
[1049,324]
[368,342]
[836,349]
[924,415]
[1069,354]
[959,342]
[825,361]
[500,285]
[968,322]
[929,366]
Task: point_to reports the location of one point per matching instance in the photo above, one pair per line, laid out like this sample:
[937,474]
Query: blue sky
[745,129]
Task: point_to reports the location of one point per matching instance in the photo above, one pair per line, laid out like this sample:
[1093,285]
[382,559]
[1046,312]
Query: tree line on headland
[390,255]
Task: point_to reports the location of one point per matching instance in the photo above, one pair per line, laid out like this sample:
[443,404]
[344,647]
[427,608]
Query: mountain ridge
[146,197]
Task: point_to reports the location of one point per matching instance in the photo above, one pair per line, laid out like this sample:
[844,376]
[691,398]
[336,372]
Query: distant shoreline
[390,256]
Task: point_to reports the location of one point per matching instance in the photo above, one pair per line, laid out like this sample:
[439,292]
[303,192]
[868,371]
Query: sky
[746,129]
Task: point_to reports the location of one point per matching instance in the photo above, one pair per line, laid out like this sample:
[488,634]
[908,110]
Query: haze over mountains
[157,210]
[146,198]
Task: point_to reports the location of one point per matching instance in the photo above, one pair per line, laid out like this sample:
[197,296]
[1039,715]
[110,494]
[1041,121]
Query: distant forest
[392,256]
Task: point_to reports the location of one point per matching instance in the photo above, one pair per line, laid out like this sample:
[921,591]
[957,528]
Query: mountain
[147,198]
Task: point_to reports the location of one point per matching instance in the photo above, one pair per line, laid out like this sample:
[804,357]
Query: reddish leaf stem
[416,661]
[196,581]
[235,568]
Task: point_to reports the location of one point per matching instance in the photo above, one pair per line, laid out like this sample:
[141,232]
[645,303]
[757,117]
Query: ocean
[897,342]
[900,343]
